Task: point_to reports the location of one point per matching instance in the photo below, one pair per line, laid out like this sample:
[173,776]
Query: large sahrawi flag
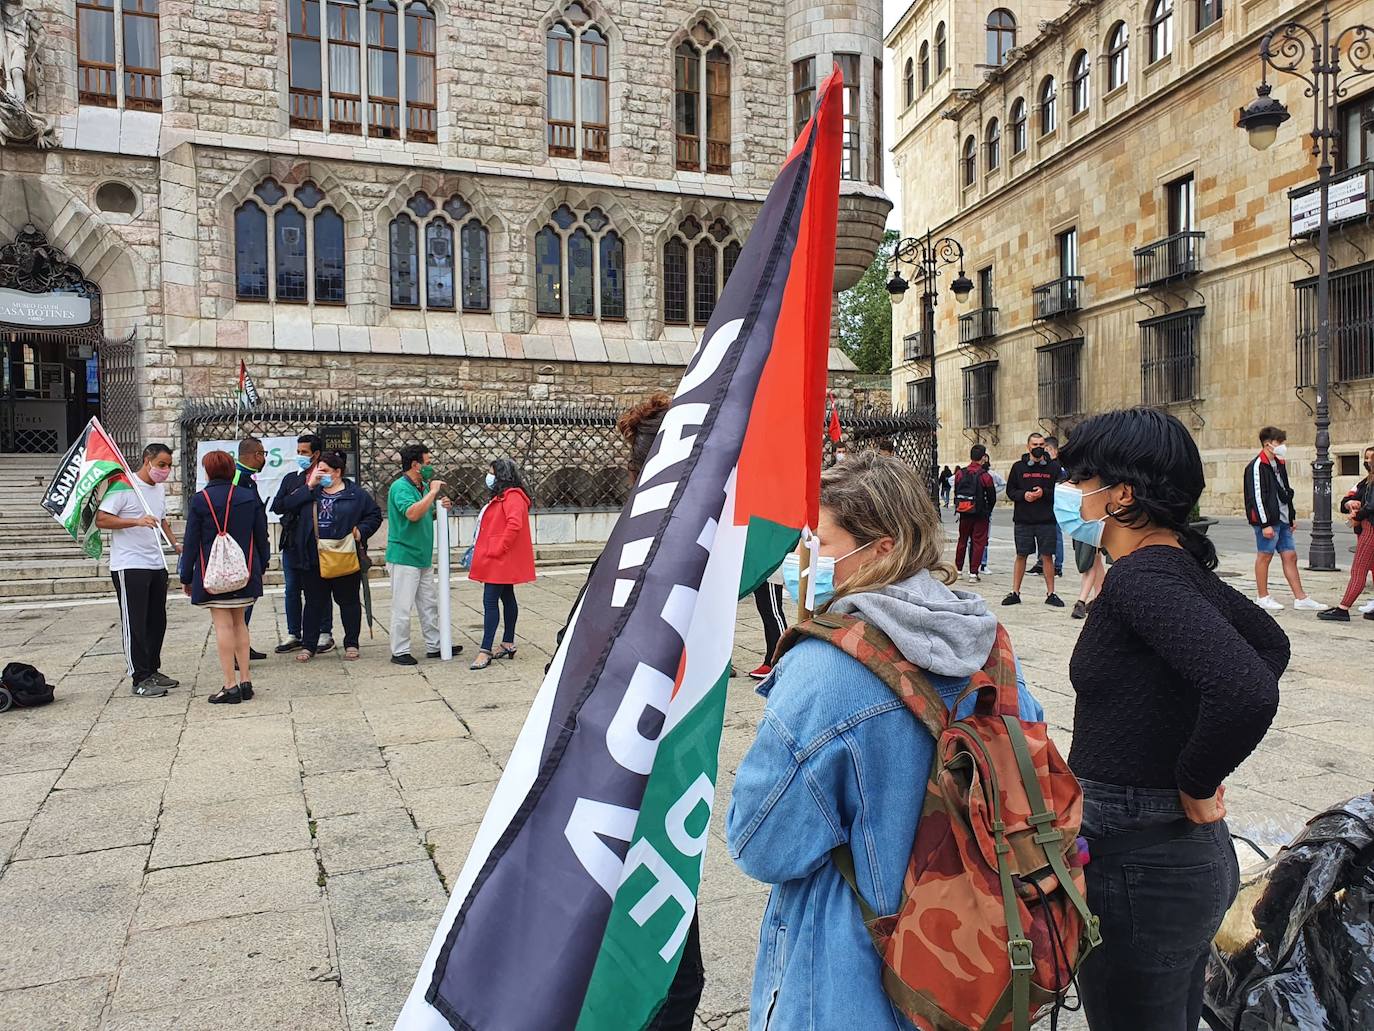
[575,901]
[91,466]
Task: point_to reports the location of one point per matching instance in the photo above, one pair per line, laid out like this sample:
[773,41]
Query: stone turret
[849,35]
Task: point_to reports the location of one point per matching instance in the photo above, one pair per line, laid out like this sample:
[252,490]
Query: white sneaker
[1267,602]
[974,578]
[1309,605]
[1367,607]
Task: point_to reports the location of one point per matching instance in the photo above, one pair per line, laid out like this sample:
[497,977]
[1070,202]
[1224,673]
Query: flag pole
[130,474]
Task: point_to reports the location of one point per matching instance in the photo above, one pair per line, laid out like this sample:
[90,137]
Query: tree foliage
[864,315]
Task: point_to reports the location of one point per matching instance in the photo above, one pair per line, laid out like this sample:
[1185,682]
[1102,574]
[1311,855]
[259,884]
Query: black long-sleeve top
[1176,676]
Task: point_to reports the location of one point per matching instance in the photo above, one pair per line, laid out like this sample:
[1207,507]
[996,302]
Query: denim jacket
[838,759]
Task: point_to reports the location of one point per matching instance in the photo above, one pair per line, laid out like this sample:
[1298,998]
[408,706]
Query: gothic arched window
[289,246]
[697,263]
[579,266]
[430,245]
[701,98]
[577,65]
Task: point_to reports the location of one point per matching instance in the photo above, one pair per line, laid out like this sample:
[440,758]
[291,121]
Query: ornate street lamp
[1286,48]
[927,256]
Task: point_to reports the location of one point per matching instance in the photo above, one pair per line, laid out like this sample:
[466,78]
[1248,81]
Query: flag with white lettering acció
[248,391]
[92,466]
[575,902]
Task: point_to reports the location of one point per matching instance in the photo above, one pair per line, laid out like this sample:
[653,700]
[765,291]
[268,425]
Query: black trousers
[684,994]
[142,597]
[345,593]
[768,598]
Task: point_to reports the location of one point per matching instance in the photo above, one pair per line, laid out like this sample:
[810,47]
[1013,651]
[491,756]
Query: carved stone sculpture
[20,32]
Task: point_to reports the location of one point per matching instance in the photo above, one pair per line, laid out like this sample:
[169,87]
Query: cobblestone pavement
[281,864]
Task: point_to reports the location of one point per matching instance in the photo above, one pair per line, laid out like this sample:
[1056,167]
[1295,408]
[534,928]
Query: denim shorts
[1159,907]
[1280,542]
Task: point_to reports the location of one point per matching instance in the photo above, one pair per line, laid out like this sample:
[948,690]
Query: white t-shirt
[139,547]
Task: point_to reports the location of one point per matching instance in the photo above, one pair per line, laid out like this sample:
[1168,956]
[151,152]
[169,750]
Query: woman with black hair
[502,556]
[1176,681]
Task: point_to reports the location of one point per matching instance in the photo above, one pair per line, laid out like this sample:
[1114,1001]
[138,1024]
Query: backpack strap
[870,646]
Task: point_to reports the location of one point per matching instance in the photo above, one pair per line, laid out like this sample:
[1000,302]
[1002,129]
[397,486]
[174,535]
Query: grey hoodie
[940,630]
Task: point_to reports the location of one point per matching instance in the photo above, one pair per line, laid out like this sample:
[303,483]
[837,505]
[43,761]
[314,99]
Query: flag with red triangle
[92,466]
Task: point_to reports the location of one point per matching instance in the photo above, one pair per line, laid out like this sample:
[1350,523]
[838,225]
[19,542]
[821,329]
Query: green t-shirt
[407,543]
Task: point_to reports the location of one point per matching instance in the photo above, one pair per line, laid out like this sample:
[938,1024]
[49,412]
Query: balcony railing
[1057,298]
[1349,200]
[1174,257]
[980,395]
[1060,379]
[1170,358]
[916,346]
[977,325]
[1351,312]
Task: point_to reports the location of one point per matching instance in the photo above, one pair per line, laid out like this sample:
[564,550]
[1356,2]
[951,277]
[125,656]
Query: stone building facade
[1127,244]
[396,199]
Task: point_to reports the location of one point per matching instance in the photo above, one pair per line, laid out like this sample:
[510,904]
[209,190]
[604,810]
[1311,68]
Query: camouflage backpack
[993,924]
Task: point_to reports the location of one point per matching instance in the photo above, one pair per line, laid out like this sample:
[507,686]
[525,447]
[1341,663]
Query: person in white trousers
[410,512]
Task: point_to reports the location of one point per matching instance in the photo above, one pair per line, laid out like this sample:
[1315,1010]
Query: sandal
[351,654]
[482,661]
[226,696]
[304,655]
[506,652]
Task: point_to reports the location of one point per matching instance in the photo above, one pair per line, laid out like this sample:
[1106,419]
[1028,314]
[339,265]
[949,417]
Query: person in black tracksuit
[1031,490]
[1270,510]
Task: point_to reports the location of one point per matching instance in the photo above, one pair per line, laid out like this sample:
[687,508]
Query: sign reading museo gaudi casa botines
[18,308]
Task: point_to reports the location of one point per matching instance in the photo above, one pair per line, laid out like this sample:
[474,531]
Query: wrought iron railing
[1170,354]
[570,457]
[1174,257]
[916,346]
[1061,379]
[1057,298]
[977,325]
[1351,316]
[980,395]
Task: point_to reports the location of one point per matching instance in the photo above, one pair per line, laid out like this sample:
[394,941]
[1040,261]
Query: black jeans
[1160,906]
[344,590]
[684,994]
[504,596]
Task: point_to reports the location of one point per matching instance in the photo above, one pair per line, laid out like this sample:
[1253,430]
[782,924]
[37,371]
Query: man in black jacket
[1031,489]
[1270,510]
[308,448]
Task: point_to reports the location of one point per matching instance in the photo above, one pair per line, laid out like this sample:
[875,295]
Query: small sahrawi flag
[575,902]
[91,467]
[248,391]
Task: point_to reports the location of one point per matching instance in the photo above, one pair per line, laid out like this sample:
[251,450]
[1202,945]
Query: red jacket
[504,552]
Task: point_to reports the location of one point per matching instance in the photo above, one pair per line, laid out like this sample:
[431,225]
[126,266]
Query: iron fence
[571,457]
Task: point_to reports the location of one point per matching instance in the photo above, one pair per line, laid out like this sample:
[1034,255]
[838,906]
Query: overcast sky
[892,10]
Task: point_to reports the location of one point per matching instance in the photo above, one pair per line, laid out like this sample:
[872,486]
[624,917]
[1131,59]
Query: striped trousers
[143,618]
[1361,567]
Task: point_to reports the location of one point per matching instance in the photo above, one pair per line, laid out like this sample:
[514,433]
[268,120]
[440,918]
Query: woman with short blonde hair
[839,759]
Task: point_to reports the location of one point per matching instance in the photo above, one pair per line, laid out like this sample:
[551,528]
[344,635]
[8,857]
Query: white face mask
[1280,450]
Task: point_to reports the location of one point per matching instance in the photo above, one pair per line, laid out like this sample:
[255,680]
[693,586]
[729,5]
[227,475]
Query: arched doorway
[51,329]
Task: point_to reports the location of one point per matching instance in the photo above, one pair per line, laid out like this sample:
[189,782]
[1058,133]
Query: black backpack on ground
[23,686]
[969,496]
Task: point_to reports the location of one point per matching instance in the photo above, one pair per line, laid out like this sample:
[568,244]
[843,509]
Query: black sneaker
[402,660]
[291,644]
[246,690]
[436,654]
[1036,570]
[1012,599]
[255,655]
[1080,610]
[163,680]
[1055,601]
[1058,571]
[148,689]
[327,645]
[1369,615]
[1335,615]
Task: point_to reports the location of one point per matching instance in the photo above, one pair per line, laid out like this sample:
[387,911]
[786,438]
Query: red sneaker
[762,672]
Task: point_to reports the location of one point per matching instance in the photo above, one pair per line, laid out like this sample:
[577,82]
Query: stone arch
[600,15]
[732,48]
[623,221]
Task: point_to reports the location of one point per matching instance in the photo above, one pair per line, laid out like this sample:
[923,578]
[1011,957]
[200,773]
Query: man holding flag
[574,907]
[134,510]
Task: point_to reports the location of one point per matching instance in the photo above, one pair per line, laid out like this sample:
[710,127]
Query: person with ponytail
[1358,508]
[1176,681]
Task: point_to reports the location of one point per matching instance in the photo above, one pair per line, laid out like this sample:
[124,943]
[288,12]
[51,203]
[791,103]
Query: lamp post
[927,256]
[1287,48]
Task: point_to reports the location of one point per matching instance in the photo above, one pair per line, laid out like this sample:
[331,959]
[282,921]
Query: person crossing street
[1269,508]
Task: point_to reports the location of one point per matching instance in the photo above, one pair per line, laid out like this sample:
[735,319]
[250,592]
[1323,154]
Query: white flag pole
[445,588]
[124,464]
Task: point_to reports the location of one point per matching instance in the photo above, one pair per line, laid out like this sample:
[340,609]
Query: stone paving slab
[289,856]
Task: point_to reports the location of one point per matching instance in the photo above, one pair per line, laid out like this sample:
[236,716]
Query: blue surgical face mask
[326,480]
[302,462]
[823,570]
[491,481]
[1068,510]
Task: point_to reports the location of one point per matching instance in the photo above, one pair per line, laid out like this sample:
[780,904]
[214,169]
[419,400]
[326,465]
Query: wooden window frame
[803,93]
[380,103]
[339,101]
[1018,121]
[1118,56]
[1080,83]
[108,72]
[313,99]
[1161,27]
[590,141]
[941,50]
[851,138]
[149,96]
[421,116]
[997,34]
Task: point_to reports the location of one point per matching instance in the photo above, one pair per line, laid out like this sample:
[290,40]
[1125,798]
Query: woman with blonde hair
[839,759]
